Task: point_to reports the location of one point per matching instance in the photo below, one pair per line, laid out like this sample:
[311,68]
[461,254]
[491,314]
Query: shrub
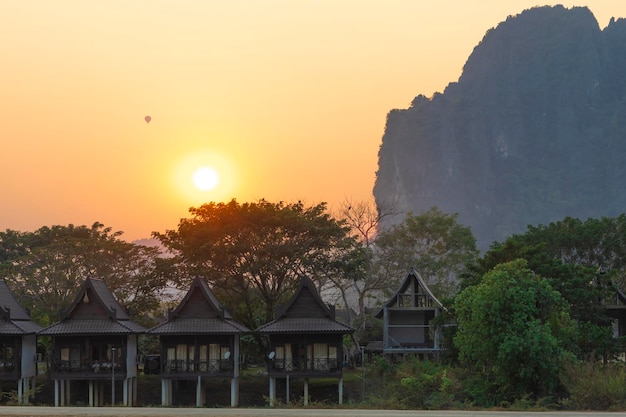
[593,386]
[411,383]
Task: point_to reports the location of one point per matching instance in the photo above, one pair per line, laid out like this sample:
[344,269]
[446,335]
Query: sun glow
[205,178]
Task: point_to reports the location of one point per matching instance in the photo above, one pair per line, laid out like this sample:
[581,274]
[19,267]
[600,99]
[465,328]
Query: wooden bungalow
[200,340]
[95,342]
[616,310]
[18,345]
[305,341]
[408,316]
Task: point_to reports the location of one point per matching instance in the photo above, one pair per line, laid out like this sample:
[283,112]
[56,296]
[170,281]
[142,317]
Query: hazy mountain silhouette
[533,131]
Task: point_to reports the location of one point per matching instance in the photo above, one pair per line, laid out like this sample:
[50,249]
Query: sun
[205,178]
[204,175]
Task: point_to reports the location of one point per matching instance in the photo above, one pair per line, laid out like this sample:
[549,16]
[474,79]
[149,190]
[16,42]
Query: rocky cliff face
[533,131]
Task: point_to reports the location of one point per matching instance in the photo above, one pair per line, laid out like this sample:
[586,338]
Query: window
[7,358]
[279,359]
[214,357]
[191,355]
[181,358]
[203,356]
[225,358]
[171,359]
[332,358]
[288,357]
[320,357]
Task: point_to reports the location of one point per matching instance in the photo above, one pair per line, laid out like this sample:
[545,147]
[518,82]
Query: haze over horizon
[284,100]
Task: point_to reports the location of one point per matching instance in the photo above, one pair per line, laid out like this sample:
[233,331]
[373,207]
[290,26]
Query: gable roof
[412,278]
[14,320]
[619,299]
[100,294]
[201,288]
[620,295]
[9,305]
[306,293]
[305,312]
[199,313]
[112,320]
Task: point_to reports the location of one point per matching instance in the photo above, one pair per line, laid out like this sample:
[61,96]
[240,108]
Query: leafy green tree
[512,328]
[434,243]
[581,260]
[44,269]
[593,242]
[253,254]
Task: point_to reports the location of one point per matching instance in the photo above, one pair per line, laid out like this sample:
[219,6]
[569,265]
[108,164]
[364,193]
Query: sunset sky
[285,99]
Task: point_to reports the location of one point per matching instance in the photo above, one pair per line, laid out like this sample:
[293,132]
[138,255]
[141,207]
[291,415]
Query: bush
[593,386]
[411,383]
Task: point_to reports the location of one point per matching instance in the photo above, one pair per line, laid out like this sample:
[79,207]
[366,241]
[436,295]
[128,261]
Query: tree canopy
[511,330]
[581,260]
[253,254]
[434,243]
[45,267]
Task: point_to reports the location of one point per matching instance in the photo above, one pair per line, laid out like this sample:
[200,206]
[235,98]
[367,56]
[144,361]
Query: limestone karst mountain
[533,131]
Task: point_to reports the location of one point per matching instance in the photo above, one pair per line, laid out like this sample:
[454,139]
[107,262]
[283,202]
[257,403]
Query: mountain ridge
[533,131]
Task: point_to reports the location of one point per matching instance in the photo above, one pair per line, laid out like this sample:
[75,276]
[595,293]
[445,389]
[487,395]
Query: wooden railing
[7,366]
[305,365]
[88,366]
[209,366]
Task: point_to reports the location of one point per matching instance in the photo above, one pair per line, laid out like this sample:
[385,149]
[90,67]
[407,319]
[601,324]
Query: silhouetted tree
[44,269]
[253,254]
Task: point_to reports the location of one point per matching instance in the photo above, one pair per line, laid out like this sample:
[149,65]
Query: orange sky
[286,99]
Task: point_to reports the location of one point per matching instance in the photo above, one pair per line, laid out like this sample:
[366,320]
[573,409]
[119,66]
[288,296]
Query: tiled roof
[374,346]
[199,326]
[304,325]
[27,326]
[12,329]
[92,327]
[199,313]
[7,301]
[15,320]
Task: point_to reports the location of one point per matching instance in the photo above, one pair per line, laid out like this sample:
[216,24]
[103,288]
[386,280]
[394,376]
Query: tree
[581,260]
[512,328]
[44,268]
[352,277]
[433,243]
[593,242]
[253,254]
[357,279]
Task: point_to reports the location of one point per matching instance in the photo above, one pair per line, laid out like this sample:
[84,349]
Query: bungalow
[18,345]
[305,341]
[616,310]
[408,326]
[200,340]
[95,342]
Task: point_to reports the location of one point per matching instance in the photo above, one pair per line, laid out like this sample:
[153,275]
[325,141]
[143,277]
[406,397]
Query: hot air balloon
[147,119]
